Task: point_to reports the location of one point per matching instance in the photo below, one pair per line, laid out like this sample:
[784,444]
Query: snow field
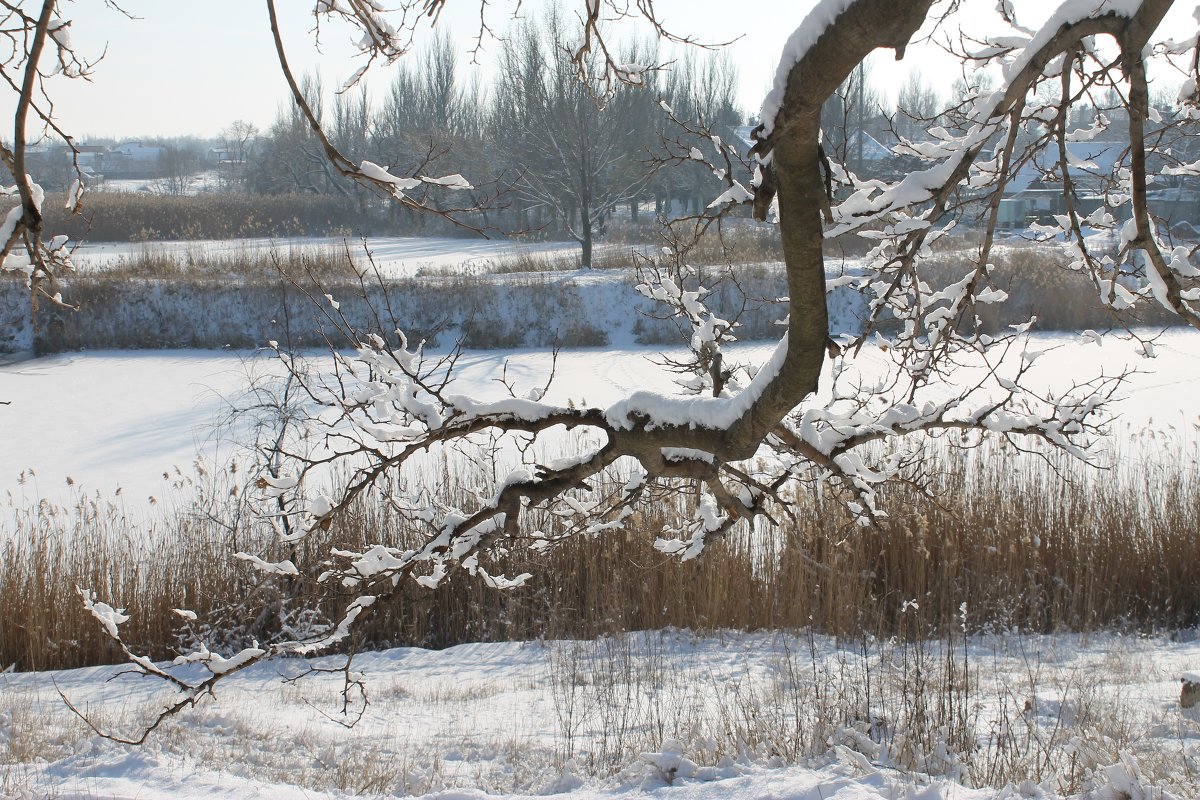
[395,256]
[666,714]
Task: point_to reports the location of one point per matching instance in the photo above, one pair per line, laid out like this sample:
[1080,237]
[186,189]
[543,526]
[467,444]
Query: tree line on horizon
[555,159]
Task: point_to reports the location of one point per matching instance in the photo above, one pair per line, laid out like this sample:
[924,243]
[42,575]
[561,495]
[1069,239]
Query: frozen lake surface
[120,419]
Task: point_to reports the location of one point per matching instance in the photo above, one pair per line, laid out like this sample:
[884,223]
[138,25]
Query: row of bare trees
[565,159]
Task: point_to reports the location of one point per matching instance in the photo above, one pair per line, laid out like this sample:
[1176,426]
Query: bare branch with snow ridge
[848,410]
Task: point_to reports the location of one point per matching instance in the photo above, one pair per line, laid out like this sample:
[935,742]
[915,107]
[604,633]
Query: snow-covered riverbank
[666,715]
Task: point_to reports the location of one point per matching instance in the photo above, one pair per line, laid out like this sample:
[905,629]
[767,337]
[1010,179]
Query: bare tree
[701,91]
[291,157]
[818,411]
[917,105]
[37,47]
[848,116]
[239,144]
[427,115]
[178,163]
[573,152]
[424,105]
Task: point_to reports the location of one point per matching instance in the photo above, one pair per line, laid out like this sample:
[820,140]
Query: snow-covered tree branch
[36,47]
[847,410]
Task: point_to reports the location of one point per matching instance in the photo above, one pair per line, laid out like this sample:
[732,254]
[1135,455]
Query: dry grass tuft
[1039,282]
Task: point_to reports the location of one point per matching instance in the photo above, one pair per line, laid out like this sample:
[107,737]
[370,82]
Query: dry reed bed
[132,216]
[1039,282]
[1014,543]
[153,299]
[212,310]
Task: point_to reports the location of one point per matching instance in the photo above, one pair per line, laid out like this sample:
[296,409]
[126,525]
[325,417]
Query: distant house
[1035,192]
[743,134]
[136,151]
[872,149]
[50,164]
[91,160]
[1178,206]
[132,160]
[216,156]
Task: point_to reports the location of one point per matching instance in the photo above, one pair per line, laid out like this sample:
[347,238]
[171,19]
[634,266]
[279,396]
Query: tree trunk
[585,237]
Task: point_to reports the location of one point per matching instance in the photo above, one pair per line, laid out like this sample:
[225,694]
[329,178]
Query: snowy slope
[488,720]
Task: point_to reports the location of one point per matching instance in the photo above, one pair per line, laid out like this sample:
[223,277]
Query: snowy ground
[396,256]
[604,719]
[667,715]
[122,419]
[200,183]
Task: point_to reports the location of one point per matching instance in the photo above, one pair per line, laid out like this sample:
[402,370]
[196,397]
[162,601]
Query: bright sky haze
[192,68]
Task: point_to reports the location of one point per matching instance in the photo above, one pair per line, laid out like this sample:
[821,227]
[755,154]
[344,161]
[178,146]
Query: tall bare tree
[291,158]
[850,112]
[702,90]
[178,163]
[239,142]
[572,148]
[917,107]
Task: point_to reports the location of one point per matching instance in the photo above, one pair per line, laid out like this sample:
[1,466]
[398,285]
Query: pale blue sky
[194,67]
